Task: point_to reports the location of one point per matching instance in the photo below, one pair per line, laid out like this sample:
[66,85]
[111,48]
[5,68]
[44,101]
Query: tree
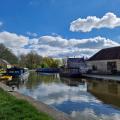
[7,55]
[31,60]
[52,63]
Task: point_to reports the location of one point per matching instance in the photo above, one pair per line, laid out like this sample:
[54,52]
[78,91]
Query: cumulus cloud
[96,42]
[55,46]
[13,41]
[31,34]
[109,20]
[61,47]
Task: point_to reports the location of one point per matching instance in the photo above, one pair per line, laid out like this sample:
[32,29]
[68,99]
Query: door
[112,67]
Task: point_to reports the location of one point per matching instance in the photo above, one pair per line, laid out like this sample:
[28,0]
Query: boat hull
[70,72]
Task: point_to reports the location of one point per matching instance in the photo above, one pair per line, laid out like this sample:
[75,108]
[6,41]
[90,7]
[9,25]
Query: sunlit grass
[14,109]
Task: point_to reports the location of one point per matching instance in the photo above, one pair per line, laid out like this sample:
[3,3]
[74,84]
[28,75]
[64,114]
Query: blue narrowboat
[17,72]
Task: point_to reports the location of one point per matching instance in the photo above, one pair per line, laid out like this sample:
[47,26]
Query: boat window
[21,71]
[14,72]
[25,70]
[17,72]
[11,71]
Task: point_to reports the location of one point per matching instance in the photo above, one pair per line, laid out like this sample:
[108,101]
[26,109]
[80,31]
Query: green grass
[15,109]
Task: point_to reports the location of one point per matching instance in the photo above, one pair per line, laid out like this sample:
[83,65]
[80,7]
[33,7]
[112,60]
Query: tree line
[31,60]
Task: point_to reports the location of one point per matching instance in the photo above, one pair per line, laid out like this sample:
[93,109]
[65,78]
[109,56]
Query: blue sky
[38,18]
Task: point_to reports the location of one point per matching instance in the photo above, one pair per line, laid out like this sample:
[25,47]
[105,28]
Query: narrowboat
[70,72]
[74,68]
[16,72]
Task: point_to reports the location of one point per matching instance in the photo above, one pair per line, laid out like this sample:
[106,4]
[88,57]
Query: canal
[82,99]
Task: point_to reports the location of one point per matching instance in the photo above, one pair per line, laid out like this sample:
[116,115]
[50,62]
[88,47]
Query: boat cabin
[15,71]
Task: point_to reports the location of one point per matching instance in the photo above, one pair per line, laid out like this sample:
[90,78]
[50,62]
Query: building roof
[2,61]
[107,54]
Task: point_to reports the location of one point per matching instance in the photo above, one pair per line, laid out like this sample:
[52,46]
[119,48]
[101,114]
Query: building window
[94,67]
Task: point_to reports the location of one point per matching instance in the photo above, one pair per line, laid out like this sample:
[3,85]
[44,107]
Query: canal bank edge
[40,106]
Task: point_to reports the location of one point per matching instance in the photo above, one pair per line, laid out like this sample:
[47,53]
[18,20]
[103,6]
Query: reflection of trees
[36,79]
[108,92]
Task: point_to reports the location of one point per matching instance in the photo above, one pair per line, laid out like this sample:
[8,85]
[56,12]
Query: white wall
[102,64]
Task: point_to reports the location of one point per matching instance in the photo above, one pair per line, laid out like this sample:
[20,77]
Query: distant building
[73,67]
[75,62]
[106,61]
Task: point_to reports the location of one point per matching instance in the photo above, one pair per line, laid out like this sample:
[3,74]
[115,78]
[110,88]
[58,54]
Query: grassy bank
[14,109]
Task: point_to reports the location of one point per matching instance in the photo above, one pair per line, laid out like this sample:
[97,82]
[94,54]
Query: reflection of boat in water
[15,83]
[70,72]
[16,72]
[106,91]
[48,70]
[47,74]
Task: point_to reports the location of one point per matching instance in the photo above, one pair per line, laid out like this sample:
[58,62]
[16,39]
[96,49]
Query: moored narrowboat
[70,72]
[17,72]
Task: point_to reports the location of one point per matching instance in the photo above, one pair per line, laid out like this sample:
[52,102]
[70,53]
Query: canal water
[82,99]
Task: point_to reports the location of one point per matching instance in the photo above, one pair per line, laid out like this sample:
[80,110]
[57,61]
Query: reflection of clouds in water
[58,93]
[89,114]
[73,100]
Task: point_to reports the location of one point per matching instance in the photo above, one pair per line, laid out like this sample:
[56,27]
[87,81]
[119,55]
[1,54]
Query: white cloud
[31,34]
[109,20]
[60,47]
[13,41]
[55,46]
[59,42]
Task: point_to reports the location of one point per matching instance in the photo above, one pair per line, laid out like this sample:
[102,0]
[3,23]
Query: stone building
[105,61]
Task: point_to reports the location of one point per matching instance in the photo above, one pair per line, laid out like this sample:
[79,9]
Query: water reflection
[80,98]
[16,83]
[89,114]
[108,92]
[35,79]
